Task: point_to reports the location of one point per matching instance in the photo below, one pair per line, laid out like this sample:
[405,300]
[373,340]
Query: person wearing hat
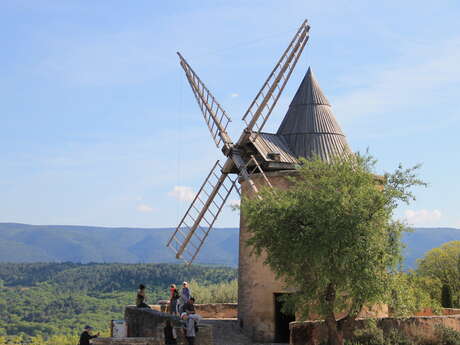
[184,297]
[86,336]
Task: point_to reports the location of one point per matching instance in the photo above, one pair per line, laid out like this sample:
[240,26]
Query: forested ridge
[46,299]
[64,243]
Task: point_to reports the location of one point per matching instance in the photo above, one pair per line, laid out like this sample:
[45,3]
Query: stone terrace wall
[417,327]
[217,310]
[212,310]
[149,323]
[125,341]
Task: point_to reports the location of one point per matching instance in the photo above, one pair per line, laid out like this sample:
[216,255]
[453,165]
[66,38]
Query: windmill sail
[200,217]
[198,221]
[261,107]
[214,115]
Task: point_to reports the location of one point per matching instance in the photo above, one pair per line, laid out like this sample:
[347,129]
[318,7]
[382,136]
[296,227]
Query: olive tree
[332,235]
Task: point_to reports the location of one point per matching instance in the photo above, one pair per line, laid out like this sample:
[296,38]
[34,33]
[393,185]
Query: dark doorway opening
[281,321]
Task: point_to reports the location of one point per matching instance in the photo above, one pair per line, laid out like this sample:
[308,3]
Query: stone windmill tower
[258,159]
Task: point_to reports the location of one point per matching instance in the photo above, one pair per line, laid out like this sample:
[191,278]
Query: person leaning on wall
[86,336]
[190,326]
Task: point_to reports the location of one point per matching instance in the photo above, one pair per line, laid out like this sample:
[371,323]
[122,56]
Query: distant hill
[83,244]
[423,239]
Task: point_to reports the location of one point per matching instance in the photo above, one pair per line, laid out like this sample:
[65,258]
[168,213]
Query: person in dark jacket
[86,336]
[189,307]
[141,298]
[170,334]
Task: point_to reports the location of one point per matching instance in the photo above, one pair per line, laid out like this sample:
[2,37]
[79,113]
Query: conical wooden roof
[310,127]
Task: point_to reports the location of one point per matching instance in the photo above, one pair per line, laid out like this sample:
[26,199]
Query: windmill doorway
[282,320]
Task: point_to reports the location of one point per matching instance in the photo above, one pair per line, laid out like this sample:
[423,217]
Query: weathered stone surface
[212,310]
[217,310]
[257,284]
[149,323]
[125,341]
[418,327]
[143,322]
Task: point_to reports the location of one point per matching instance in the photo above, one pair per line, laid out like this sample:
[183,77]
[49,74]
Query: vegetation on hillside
[50,303]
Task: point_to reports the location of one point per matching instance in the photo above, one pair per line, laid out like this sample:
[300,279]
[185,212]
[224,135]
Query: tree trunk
[335,336]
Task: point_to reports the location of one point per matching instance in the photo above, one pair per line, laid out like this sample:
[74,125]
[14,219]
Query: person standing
[141,298]
[170,334]
[173,299]
[185,296]
[186,293]
[86,336]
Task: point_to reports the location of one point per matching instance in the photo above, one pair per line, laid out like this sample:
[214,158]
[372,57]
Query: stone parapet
[149,324]
[211,310]
[217,310]
[417,327]
[125,341]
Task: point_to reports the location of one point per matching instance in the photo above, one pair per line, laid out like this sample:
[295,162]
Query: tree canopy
[332,234]
[443,265]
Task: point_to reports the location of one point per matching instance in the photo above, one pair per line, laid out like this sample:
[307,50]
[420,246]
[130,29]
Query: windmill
[253,151]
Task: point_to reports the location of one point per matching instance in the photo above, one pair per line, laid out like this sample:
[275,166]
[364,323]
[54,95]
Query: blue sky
[99,127]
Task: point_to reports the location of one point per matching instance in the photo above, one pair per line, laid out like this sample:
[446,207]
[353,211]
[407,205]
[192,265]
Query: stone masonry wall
[212,310]
[217,310]
[149,323]
[256,282]
[417,327]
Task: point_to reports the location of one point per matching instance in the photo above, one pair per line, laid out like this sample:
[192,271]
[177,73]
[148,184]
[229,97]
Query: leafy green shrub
[395,337]
[224,292]
[447,336]
[371,335]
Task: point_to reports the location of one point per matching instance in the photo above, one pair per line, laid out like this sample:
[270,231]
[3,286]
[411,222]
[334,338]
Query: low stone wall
[125,341]
[444,311]
[217,310]
[143,322]
[212,310]
[376,311]
[149,324]
[417,327]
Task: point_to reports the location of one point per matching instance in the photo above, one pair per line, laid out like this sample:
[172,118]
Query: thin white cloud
[234,204]
[234,95]
[144,208]
[422,217]
[182,193]
[421,72]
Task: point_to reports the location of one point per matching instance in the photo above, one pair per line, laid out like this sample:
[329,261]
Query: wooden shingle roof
[309,127]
